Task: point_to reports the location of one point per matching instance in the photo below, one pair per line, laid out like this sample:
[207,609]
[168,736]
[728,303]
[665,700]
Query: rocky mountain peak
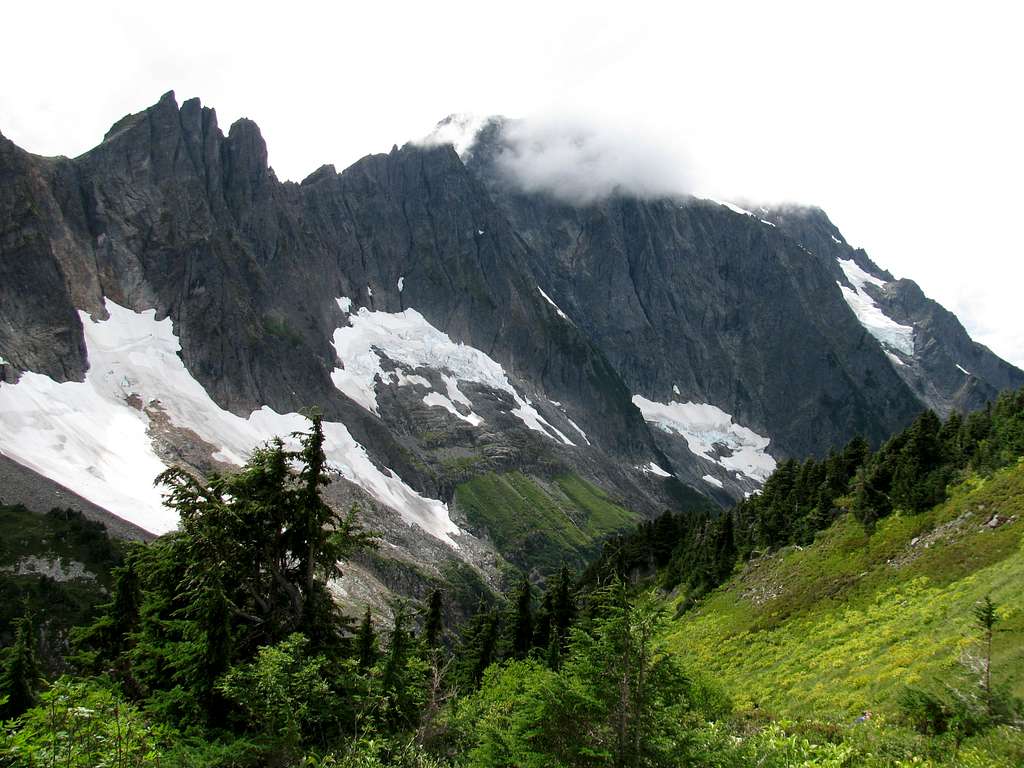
[460,334]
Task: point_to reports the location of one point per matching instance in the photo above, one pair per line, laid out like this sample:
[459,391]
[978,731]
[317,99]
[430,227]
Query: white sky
[905,121]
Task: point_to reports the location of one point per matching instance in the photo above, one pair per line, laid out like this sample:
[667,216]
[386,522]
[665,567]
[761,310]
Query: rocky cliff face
[459,334]
[754,311]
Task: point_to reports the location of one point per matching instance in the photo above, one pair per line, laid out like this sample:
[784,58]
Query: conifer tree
[366,641]
[986,618]
[433,626]
[20,678]
[522,622]
[543,623]
[553,656]
[564,610]
[124,608]
[480,647]
[399,679]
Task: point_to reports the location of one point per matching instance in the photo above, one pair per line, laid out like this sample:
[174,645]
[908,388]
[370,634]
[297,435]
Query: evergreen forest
[222,644]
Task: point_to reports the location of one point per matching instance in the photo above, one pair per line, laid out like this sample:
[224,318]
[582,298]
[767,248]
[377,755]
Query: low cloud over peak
[573,159]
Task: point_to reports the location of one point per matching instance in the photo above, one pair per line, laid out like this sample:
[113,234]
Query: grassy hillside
[846,623]
[541,524]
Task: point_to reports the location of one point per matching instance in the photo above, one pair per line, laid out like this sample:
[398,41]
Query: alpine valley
[505,378]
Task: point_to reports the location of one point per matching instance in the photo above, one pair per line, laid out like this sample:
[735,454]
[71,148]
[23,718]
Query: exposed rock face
[947,370]
[741,310]
[583,309]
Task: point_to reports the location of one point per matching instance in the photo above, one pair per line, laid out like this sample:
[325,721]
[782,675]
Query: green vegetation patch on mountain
[55,567]
[541,524]
[845,624]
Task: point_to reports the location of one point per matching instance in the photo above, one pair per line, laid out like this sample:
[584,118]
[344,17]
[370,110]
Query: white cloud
[581,161]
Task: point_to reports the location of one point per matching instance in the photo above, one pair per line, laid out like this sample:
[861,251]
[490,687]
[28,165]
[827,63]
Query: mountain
[504,377]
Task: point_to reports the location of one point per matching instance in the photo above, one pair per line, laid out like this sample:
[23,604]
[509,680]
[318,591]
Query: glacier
[407,338]
[877,323]
[705,426]
[94,436]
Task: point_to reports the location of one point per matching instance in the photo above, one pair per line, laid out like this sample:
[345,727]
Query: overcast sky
[903,120]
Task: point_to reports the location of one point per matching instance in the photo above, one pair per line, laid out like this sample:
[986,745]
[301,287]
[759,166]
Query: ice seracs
[708,430]
[94,436]
[890,333]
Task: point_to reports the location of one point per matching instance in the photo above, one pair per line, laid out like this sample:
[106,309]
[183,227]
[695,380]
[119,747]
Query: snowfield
[407,338]
[704,426]
[877,323]
[88,437]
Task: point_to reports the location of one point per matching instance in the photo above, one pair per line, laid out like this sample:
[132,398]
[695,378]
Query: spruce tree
[400,678]
[543,623]
[433,626]
[124,608]
[366,642]
[564,605]
[522,623]
[21,677]
[481,647]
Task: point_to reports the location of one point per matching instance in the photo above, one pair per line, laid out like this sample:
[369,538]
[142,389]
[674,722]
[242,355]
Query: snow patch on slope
[870,315]
[407,338]
[436,399]
[549,300]
[711,434]
[710,480]
[731,206]
[894,359]
[577,427]
[86,436]
[654,469]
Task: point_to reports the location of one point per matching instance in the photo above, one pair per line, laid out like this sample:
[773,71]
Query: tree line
[910,473]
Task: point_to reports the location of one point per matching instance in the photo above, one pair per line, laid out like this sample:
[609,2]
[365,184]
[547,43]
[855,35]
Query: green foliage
[910,473]
[83,725]
[286,697]
[401,677]
[221,645]
[69,541]
[20,678]
[538,525]
[617,699]
[433,625]
[247,569]
[366,642]
[521,640]
[848,623]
